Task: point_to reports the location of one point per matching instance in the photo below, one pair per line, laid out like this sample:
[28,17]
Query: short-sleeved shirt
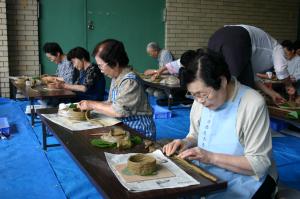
[252,127]
[164,57]
[266,53]
[94,81]
[174,66]
[131,99]
[294,67]
[66,70]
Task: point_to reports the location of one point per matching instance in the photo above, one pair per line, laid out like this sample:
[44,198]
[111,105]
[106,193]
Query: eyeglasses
[51,59]
[201,96]
[101,65]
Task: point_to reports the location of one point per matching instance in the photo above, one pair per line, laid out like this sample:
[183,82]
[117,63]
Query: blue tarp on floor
[28,171]
[25,170]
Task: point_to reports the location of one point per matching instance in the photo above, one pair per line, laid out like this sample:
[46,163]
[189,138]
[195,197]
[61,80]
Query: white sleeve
[195,116]
[253,127]
[280,62]
[173,67]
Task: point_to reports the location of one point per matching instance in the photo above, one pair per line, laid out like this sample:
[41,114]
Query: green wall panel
[135,22]
[61,21]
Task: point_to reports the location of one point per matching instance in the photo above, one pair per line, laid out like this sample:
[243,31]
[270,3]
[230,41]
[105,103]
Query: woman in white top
[174,66]
[229,131]
[293,64]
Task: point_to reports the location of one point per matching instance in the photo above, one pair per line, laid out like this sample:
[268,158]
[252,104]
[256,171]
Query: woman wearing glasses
[127,99]
[229,130]
[90,84]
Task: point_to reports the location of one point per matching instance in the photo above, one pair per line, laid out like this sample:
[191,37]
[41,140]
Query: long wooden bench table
[93,163]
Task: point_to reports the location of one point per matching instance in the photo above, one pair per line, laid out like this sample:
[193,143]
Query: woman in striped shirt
[127,99]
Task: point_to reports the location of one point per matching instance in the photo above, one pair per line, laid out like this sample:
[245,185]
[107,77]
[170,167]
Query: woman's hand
[171,148]
[197,153]
[59,84]
[85,105]
[154,76]
[150,72]
[262,75]
[277,98]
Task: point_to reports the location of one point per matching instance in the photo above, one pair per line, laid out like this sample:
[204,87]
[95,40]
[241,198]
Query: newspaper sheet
[179,178]
[99,120]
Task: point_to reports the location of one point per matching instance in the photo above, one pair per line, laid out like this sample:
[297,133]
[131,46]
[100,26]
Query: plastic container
[4,127]
[161,113]
[278,125]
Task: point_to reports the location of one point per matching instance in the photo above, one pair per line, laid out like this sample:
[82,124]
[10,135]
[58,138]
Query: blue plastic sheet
[286,152]
[24,170]
[28,172]
[72,180]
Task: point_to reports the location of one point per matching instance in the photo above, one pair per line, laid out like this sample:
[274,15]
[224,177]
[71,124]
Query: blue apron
[217,133]
[144,124]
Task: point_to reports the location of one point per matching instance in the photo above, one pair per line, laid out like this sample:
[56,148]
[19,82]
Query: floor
[56,175]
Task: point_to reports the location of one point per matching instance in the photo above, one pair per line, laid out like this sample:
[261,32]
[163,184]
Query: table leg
[32,111]
[13,91]
[170,98]
[44,136]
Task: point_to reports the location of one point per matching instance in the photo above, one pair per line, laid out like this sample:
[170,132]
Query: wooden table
[169,89]
[93,163]
[38,92]
[281,114]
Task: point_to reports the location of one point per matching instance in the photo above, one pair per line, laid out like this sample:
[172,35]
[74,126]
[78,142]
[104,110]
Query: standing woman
[249,50]
[229,130]
[127,99]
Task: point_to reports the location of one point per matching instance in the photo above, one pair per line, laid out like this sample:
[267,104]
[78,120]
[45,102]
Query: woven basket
[141,164]
[73,114]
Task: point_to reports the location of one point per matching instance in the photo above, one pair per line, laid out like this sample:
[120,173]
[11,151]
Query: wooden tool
[193,167]
[102,133]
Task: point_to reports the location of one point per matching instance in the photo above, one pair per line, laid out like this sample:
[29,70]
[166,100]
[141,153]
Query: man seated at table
[163,57]
[293,63]
[127,99]
[90,85]
[297,46]
[65,71]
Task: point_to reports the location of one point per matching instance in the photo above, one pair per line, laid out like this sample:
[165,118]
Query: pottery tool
[193,167]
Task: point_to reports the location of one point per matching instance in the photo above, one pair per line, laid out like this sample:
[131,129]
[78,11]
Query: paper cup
[269,74]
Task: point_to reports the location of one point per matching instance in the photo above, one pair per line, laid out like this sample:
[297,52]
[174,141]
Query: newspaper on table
[179,178]
[76,125]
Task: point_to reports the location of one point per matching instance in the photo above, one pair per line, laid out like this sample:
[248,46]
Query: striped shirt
[65,69]
[164,57]
[129,99]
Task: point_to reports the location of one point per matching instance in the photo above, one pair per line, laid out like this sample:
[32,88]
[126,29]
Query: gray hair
[154,46]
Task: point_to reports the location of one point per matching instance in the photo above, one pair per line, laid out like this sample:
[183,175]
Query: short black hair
[113,53]
[288,45]
[208,66]
[52,48]
[79,53]
[189,56]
